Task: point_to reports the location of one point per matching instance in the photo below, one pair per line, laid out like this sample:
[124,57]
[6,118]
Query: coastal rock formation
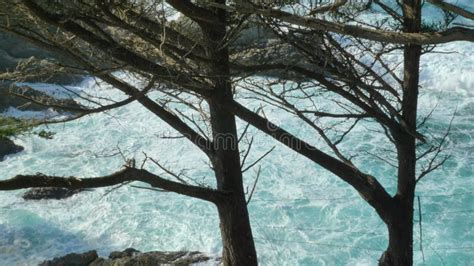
[13,50]
[73,259]
[8,100]
[129,252]
[8,147]
[129,257]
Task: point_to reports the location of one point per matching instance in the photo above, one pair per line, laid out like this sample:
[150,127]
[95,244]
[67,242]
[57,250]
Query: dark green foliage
[45,134]
[11,126]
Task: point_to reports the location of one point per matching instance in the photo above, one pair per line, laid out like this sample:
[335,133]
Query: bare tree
[189,56]
[194,58]
[346,64]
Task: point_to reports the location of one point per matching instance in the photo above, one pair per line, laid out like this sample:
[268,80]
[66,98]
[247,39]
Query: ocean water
[300,213]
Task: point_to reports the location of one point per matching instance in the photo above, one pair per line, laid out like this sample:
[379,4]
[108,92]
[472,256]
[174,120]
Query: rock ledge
[8,147]
[129,257]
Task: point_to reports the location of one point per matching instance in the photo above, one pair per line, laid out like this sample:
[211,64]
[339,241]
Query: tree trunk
[400,234]
[236,232]
[237,239]
[399,218]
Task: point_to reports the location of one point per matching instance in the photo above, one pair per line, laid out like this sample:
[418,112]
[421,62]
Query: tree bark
[237,239]
[400,234]
[400,217]
[236,232]
[419,38]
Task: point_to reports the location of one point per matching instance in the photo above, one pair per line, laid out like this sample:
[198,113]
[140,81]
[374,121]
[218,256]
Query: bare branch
[86,111]
[254,185]
[324,114]
[125,175]
[198,14]
[369,188]
[452,8]
[258,160]
[449,35]
[177,176]
[332,7]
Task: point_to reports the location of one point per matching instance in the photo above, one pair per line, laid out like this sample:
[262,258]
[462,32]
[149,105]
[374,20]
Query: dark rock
[130,257]
[73,259]
[8,147]
[129,252]
[8,100]
[256,46]
[13,50]
[49,193]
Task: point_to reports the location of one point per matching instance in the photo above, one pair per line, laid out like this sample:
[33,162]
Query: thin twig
[421,228]
[254,185]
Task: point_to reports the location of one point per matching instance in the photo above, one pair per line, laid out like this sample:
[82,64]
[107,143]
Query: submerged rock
[129,257]
[8,147]
[49,193]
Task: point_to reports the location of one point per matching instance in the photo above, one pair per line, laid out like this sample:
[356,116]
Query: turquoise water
[301,214]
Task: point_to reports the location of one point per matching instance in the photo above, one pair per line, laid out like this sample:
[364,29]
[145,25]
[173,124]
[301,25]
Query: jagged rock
[130,257]
[133,257]
[12,51]
[73,259]
[8,100]
[129,252]
[49,193]
[8,147]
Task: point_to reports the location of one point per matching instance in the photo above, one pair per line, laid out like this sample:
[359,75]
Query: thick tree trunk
[400,234]
[237,239]
[236,232]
